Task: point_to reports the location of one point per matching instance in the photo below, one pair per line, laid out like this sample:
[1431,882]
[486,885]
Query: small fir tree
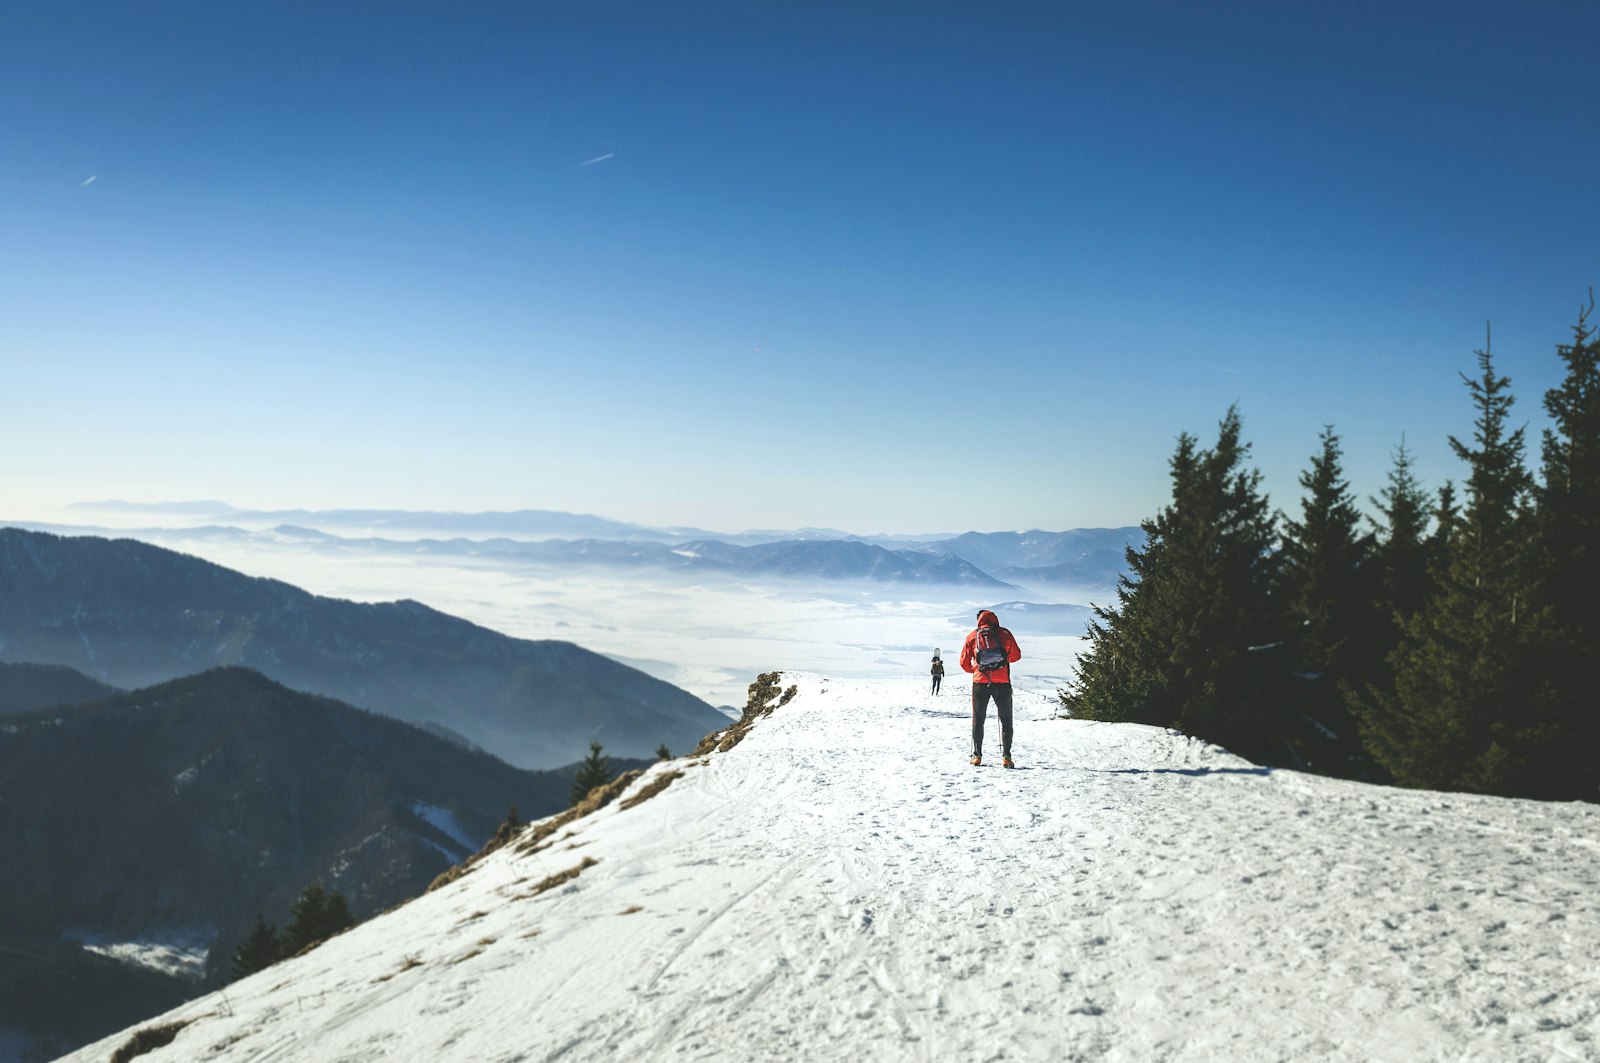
[1401,552]
[317,915]
[663,753]
[1467,707]
[259,950]
[594,770]
[1330,612]
[1190,640]
[1325,554]
[1568,561]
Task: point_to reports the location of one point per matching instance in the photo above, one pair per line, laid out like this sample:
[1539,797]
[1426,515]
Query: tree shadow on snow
[1182,771]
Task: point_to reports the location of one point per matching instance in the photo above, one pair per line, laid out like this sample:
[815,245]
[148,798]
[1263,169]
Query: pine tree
[1401,552]
[1568,559]
[317,915]
[1330,610]
[663,753]
[259,950]
[594,770]
[1446,521]
[1325,554]
[1467,707]
[1188,644]
[336,916]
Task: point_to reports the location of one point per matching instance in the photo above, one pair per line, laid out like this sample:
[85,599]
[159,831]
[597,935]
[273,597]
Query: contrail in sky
[591,162]
[89,182]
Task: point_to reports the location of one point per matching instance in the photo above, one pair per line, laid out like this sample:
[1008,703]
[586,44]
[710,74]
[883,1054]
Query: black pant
[936,683]
[981,692]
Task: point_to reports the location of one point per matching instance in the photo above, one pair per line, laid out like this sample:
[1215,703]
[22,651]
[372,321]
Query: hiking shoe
[977,761]
[1006,763]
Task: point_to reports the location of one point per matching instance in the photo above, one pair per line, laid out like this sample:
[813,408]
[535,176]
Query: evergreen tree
[317,915]
[1188,644]
[1446,520]
[663,753]
[1401,554]
[594,770]
[1404,556]
[1468,705]
[1569,561]
[1325,555]
[1330,611]
[259,950]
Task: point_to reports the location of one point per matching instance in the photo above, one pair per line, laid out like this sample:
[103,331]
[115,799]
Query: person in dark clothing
[938,672]
[988,654]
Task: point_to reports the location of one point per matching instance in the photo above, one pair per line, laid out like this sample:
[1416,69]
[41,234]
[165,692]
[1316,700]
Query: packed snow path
[842,885]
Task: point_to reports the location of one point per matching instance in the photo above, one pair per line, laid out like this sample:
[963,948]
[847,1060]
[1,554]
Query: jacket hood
[988,619]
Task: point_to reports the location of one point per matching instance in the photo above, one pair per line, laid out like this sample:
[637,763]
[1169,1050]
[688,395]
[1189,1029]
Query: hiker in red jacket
[988,654]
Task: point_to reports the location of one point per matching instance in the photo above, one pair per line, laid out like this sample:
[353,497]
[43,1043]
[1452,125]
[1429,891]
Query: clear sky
[890,267]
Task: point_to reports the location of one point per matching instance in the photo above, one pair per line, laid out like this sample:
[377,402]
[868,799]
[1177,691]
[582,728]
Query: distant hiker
[938,672]
[987,654]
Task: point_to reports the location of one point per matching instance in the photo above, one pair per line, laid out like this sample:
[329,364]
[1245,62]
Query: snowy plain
[843,885]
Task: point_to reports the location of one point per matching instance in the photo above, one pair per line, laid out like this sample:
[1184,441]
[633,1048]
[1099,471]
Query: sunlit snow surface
[181,953]
[842,885]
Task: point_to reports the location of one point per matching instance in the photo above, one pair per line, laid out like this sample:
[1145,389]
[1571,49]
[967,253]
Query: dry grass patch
[560,878]
[598,798]
[650,789]
[631,909]
[147,1040]
[405,965]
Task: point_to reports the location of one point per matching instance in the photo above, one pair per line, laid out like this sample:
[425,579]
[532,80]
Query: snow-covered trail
[842,885]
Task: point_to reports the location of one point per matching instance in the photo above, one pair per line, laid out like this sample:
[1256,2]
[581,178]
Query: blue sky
[889,267]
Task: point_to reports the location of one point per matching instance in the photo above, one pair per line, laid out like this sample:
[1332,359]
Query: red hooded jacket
[969,651]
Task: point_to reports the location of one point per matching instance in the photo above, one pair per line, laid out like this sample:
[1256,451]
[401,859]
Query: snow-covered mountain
[842,885]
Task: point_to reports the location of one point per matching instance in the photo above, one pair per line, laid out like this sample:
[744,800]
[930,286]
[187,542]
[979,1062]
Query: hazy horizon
[709,633]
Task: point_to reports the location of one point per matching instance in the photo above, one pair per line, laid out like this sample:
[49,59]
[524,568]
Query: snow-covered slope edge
[842,885]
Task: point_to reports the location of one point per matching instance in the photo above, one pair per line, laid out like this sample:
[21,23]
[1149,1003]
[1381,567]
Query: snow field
[842,885]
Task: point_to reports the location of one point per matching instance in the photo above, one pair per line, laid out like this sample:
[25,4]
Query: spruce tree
[594,770]
[259,950]
[1404,556]
[1401,552]
[1569,562]
[317,915]
[1446,520]
[1325,554]
[663,753]
[1469,705]
[1330,610]
[1189,642]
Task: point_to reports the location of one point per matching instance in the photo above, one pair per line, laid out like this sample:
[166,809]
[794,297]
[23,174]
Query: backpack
[990,650]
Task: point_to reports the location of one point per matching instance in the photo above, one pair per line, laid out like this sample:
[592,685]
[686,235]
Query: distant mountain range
[26,687]
[1082,557]
[130,614]
[195,804]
